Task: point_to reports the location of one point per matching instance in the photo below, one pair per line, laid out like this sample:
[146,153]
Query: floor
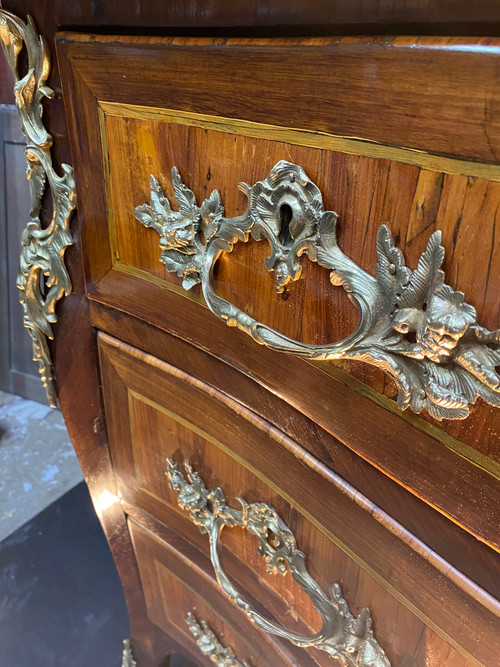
[61,600]
[37,460]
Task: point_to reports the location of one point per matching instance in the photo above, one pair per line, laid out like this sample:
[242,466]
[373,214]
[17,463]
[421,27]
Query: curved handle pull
[342,636]
[411,324]
[205,637]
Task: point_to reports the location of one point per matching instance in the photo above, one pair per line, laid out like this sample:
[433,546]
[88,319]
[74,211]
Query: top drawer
[385,131]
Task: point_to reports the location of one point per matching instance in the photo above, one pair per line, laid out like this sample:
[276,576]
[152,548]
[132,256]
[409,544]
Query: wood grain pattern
[364,191]
[255,472]
[453,484]
[253,16]
[74,349]
[175,585]
[428,648]
[339,87]
[458,547]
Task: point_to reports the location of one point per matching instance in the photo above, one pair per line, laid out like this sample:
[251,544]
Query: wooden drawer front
[150,106]
[155,410]
[360,116]
[175,586]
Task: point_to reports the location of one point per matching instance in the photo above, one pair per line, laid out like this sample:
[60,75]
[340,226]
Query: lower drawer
[424,613]
[181,598]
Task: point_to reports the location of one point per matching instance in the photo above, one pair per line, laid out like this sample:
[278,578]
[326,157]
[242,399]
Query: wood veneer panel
[427,647]
[365,192]
[331,85]
[458,547]
[415,202]
[368,534]
[174,586]
[424,465]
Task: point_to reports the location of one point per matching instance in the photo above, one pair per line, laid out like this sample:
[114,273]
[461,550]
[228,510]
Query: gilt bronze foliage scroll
[128,655]
[209,645]
[342,636]
[411,323]
[42,255]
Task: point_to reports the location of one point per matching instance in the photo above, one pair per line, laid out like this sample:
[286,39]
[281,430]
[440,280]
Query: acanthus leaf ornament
[342,636]
[209,645]
[128,655]
[411,323]
[42,254]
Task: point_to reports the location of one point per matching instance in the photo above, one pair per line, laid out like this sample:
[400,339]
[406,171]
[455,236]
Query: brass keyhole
[286,215]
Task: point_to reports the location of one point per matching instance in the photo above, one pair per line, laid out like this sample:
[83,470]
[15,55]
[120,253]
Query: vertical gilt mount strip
[43,248]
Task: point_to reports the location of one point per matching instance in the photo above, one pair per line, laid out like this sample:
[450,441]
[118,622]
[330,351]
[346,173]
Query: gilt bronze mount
[128,655]
[411,324]
[209,644]
[342,636]
[42,254]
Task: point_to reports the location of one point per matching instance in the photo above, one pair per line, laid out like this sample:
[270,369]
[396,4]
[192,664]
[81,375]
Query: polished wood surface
[419,474]
[366,192]
[402,81]
[450,17]
[428,646]
[176,584]
[441,480]
[458,547]
[150,416]
[363,191]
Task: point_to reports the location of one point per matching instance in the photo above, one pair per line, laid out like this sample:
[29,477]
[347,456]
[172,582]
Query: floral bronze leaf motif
[12,39]
[42,252]
[157,212]
[184,196]
[212,214]
[391,273]
[209,644]
[277,542]
[178,230]
[483,363]
[438,315]
[37,179]
[411,323]
[128,655]
[446,368]
[342,636]
[427,277]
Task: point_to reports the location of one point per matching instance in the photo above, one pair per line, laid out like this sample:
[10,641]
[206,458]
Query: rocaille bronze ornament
[42,254]
[128,655]
[411,323]
[209,645]
[342,636]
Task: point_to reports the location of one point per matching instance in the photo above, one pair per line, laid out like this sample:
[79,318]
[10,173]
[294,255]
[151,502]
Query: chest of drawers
[329,496]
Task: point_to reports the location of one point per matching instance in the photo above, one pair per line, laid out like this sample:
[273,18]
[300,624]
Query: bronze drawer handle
[412,325]
[342,636]
[205,637]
